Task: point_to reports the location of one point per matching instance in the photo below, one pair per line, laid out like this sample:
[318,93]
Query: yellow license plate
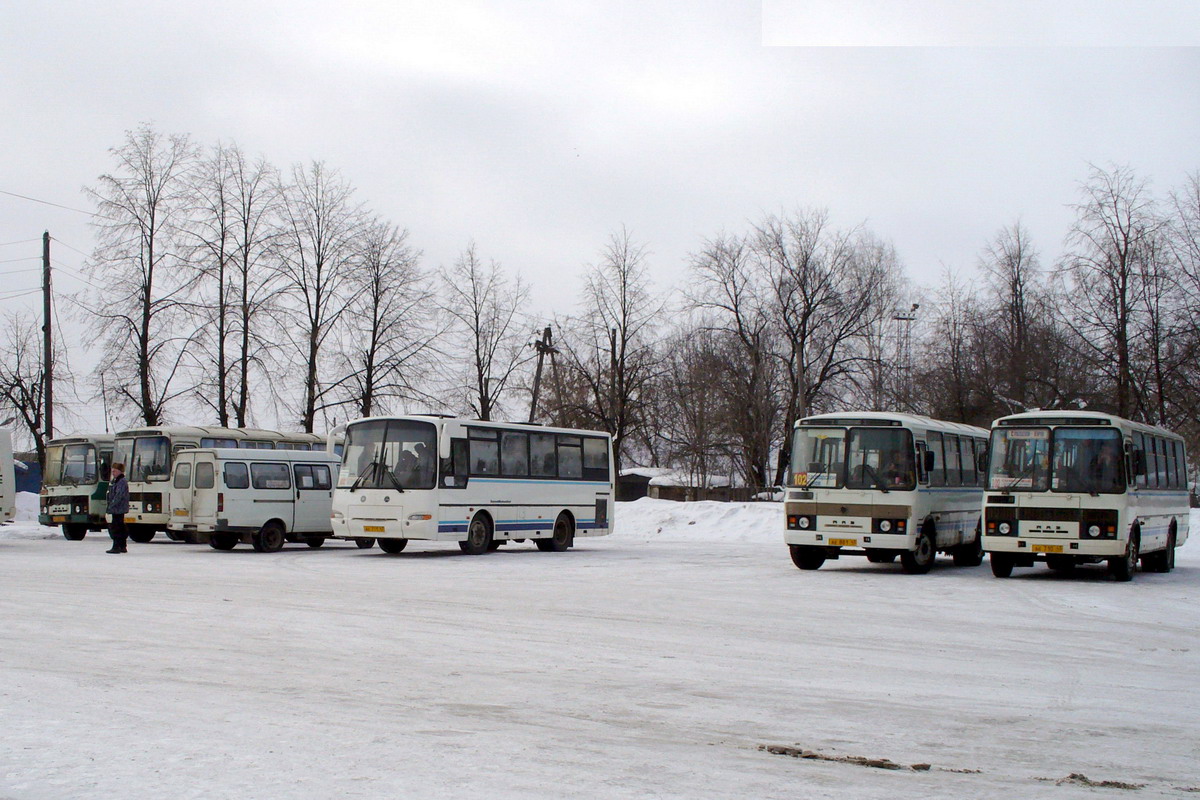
[180,512]
[130,518]
[373,528]
[58,519]
[1047,548]
[844,542]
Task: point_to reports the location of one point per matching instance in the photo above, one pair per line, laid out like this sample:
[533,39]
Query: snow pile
[25,524]
[649,519]
[27,507]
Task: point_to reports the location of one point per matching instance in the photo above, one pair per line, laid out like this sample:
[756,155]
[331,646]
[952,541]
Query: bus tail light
[220,502]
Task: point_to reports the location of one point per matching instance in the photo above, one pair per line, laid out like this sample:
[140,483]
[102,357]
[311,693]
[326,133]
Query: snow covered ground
[651,663]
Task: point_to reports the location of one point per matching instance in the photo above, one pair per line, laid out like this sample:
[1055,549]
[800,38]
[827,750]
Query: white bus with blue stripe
[882,485]
[1080,487]
[480,484]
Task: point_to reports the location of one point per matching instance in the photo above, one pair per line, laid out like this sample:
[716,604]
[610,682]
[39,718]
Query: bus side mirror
[981,462]
[930,459]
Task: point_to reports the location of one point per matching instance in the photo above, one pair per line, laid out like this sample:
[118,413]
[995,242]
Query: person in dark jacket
[118,504]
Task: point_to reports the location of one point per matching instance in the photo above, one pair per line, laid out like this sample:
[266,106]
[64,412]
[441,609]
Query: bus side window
[106,458]
[922,475]
[1139,460]
[937,475]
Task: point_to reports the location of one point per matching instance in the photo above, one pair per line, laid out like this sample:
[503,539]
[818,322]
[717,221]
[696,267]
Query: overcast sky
[539,128]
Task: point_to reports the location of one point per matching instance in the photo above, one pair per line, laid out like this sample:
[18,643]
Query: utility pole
[47,359]
[543,347]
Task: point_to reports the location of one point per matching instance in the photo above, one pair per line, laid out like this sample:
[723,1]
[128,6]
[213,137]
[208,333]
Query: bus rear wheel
[269,539]
[919,561]
[74,531]
[479,536]
[806,557]
[971,553]
[223,541]
[315,542]
[1163,560]
[392,545]
[563,538]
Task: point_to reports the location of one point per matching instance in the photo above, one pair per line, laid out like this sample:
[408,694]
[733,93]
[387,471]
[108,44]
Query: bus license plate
[372,528]
[58,519]
[130,518]
[1047,548]
[844,542]
[181,512]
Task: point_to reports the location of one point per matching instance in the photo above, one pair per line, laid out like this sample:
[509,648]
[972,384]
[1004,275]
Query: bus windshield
[53,471]
[79,464]
[1020,459]
[1088,460]
[881,458]
[151,458]
[817,455]
[389,454]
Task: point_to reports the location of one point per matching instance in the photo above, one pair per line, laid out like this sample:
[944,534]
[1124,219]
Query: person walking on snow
[118,504]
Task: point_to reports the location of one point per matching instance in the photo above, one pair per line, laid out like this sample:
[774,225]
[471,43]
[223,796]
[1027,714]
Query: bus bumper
[866,541]
[1031,547]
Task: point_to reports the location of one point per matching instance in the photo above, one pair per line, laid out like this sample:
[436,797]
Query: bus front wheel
[807,557]
[392,546]
[479,536]
[1123,567]
[1002,564]
[141,533]
[74,532]
[919,561]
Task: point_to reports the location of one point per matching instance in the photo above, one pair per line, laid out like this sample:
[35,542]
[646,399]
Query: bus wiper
[362,476]
[395,480]
[1025,473]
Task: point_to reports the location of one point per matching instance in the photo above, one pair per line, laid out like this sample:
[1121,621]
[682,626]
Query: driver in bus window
[898,471]
[1106,469]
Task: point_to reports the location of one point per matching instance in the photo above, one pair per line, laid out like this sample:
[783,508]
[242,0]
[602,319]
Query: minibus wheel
[364,542]
[74,532]
[1002,564]
[479,536]
[919,561]
[392,545]
[269,539]
[315,542]
[806,557]
[563,538]
[1123,567]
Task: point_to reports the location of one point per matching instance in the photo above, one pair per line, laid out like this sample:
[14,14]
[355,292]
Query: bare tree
[392,331]
[1115,224]
[314,253]
[610,347]
[485,311]
[233,228]
[141,208]
[22,378]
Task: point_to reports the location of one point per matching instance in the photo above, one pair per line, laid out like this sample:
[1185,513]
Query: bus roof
[894,418]
[533,427]
[83,438]
[254,454]
[1079,418]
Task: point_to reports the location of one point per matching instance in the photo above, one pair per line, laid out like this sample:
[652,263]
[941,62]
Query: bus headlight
[1004,528]
[885,525]
[804,523]
[1093,531]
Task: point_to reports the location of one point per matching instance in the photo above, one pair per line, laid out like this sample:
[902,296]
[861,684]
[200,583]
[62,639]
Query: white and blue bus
[1080,487]
[882,485]
[480,484]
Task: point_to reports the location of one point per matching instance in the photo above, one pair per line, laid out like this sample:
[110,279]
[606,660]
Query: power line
[48,203]
[21,241]
[26,258]
[18,271]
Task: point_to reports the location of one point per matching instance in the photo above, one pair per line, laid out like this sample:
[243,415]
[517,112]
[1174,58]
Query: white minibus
[148,453]
[261,497]
[8,479]
[884,485]
[480,484]
[75,484]
[1080,487]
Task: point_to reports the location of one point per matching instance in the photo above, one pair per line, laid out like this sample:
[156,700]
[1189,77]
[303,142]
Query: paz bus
[1080,487]
[477,483]
[148,455]
[75,484]
[883,485]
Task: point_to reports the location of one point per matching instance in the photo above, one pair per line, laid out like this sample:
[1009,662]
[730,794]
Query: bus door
[180,495]
[204,489]
[314,492]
